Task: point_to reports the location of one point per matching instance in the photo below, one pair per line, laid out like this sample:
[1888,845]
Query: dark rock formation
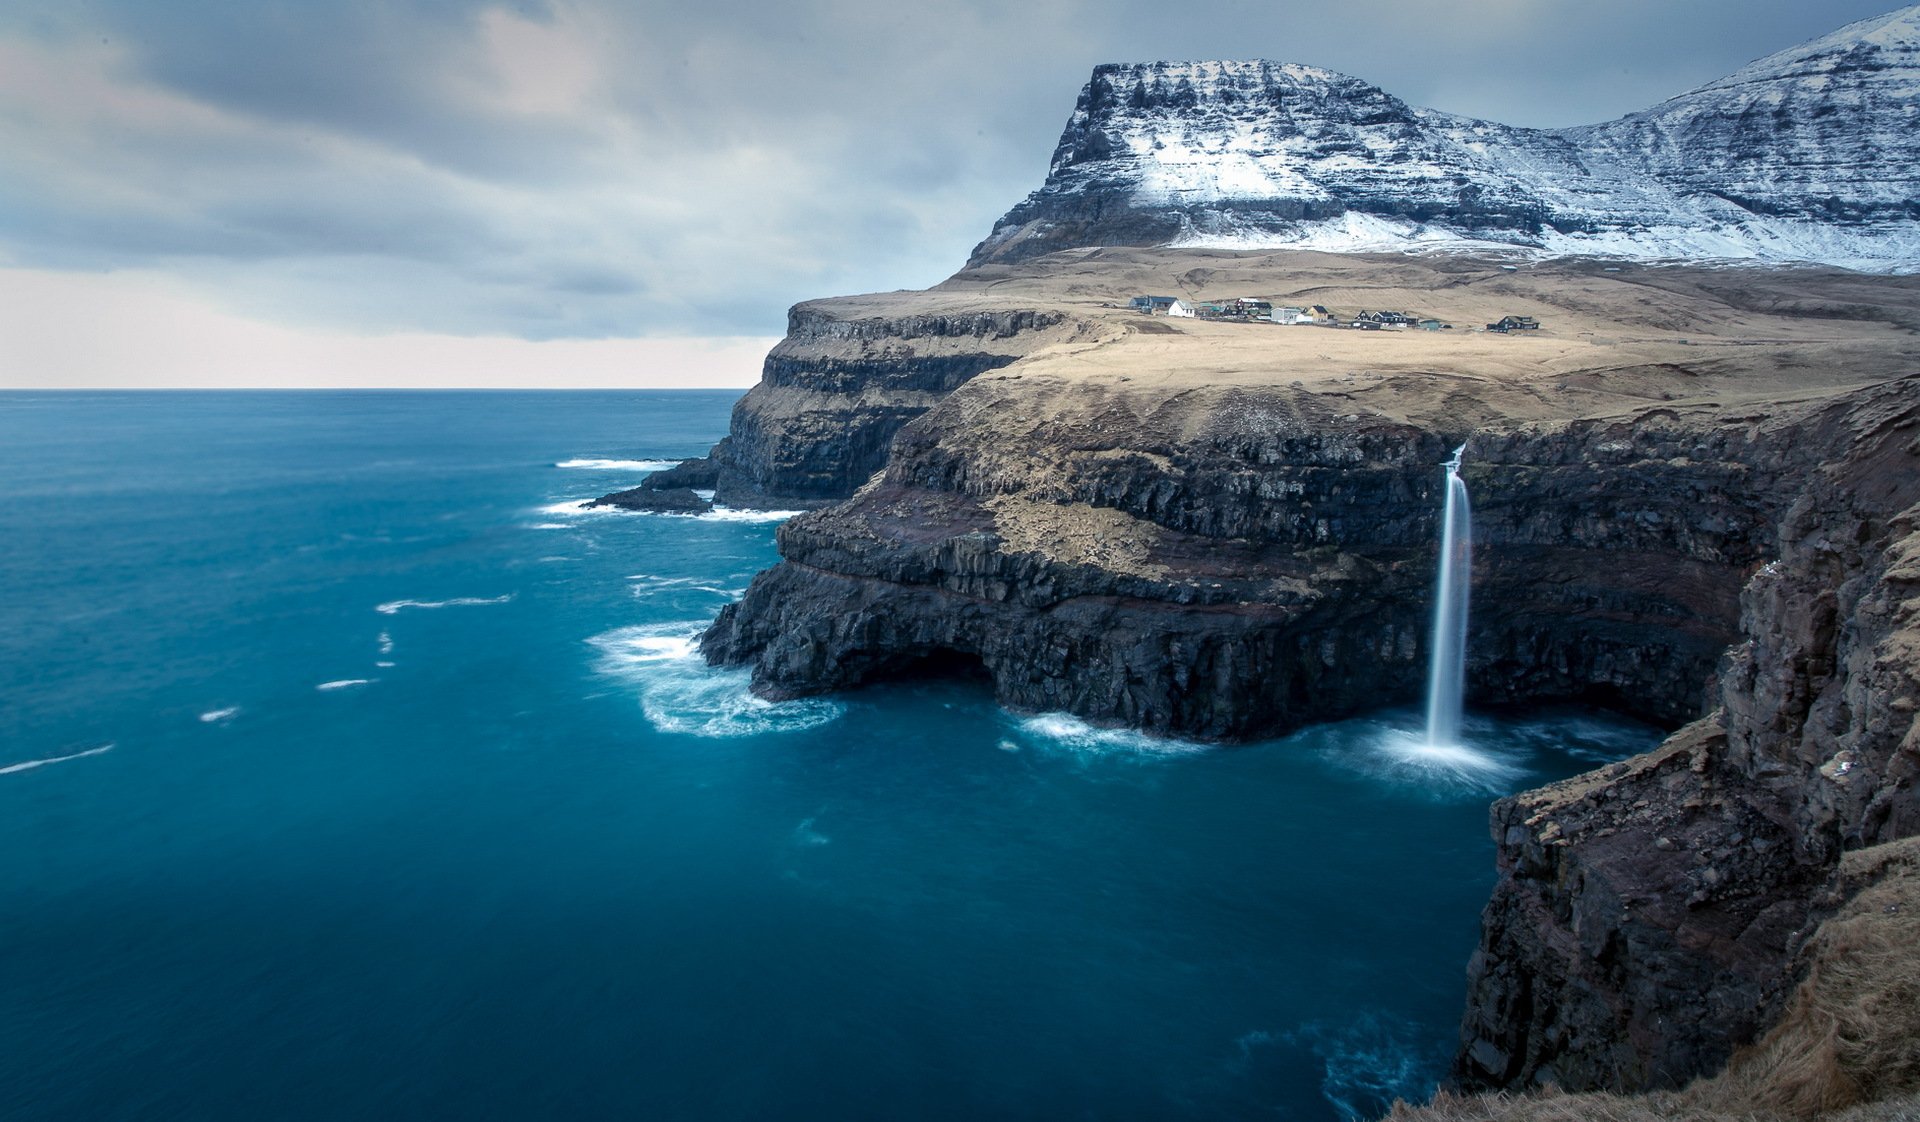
[835,391]
[1278,565]
[678,500]
[1647,917]
[700,474]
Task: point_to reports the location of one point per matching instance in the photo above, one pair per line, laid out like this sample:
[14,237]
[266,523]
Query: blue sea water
[347,769]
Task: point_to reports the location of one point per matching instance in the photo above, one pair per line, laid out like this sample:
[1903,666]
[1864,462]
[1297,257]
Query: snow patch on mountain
[1806,155]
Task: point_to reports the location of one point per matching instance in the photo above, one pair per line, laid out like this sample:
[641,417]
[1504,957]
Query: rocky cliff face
[1648,916]
[1245,562]
[1805,155]
[834,392]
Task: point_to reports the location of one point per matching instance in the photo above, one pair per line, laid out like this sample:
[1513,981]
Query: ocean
[349,769]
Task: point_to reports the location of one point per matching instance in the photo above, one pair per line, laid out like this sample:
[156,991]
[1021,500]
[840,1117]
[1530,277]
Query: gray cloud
[595,168]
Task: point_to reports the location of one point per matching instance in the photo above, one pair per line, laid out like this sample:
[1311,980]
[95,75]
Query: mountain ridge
[1805,155]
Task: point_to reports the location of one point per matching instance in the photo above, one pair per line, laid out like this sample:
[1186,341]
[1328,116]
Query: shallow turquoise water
[525,856]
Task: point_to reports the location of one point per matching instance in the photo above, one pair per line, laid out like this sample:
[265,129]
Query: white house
[1180,308]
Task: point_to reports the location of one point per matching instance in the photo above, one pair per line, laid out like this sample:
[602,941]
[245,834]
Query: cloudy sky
[604,192]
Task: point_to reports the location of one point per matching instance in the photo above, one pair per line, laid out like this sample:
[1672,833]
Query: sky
[575,193]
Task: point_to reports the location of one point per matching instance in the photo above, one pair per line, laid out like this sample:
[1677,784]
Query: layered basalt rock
[1237,563]
[1648,917]
[834,392]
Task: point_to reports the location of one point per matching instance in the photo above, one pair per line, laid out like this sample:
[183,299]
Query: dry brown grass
[1847,1050]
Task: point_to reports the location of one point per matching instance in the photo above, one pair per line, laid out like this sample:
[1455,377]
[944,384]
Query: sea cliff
[1695,501]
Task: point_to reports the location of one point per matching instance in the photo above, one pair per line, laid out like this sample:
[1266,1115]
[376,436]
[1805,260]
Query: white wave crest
[393,607]
[1063,730]
[215,716]
[647,585]
[344,683]
[618,465]
[574,508]
[29,765]
[680,693]
[729,514]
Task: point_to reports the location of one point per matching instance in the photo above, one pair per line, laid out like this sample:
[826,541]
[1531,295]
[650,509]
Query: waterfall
[1447,668]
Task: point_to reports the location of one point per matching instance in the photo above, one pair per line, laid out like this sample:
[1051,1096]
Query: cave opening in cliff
[942,664]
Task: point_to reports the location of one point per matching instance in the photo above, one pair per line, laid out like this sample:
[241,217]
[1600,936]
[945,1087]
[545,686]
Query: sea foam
[680,693]
[344,683]
[577,508]
[215,716]
[1063,730]
[618,465]
[393,607]
[29,765]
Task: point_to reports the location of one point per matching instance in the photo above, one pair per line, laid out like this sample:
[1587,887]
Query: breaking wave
[617,465]
[730,514]
[578,508]
[344,683]
[215,716]
[29,765]
[393,607]
[680,693]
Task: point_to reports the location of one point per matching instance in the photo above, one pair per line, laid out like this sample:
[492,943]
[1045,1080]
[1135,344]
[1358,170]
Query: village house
[1152,305]
[1514,323]
[1181,309]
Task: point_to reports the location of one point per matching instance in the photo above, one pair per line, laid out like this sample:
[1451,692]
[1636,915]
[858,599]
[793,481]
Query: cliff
[849,374]
[1647,915]
[1695,501]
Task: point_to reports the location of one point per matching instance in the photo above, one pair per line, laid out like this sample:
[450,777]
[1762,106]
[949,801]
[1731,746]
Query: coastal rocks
[1648,916]
[1235,563]
[676,500]
[1224,562]
[845,379]
[700,474]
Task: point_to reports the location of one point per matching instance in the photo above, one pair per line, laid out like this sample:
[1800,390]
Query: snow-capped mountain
[1811,154]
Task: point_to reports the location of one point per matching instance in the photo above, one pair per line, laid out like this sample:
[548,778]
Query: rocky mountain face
[1806,155]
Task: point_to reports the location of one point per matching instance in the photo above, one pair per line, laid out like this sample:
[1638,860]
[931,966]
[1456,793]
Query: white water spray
[1447,669]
